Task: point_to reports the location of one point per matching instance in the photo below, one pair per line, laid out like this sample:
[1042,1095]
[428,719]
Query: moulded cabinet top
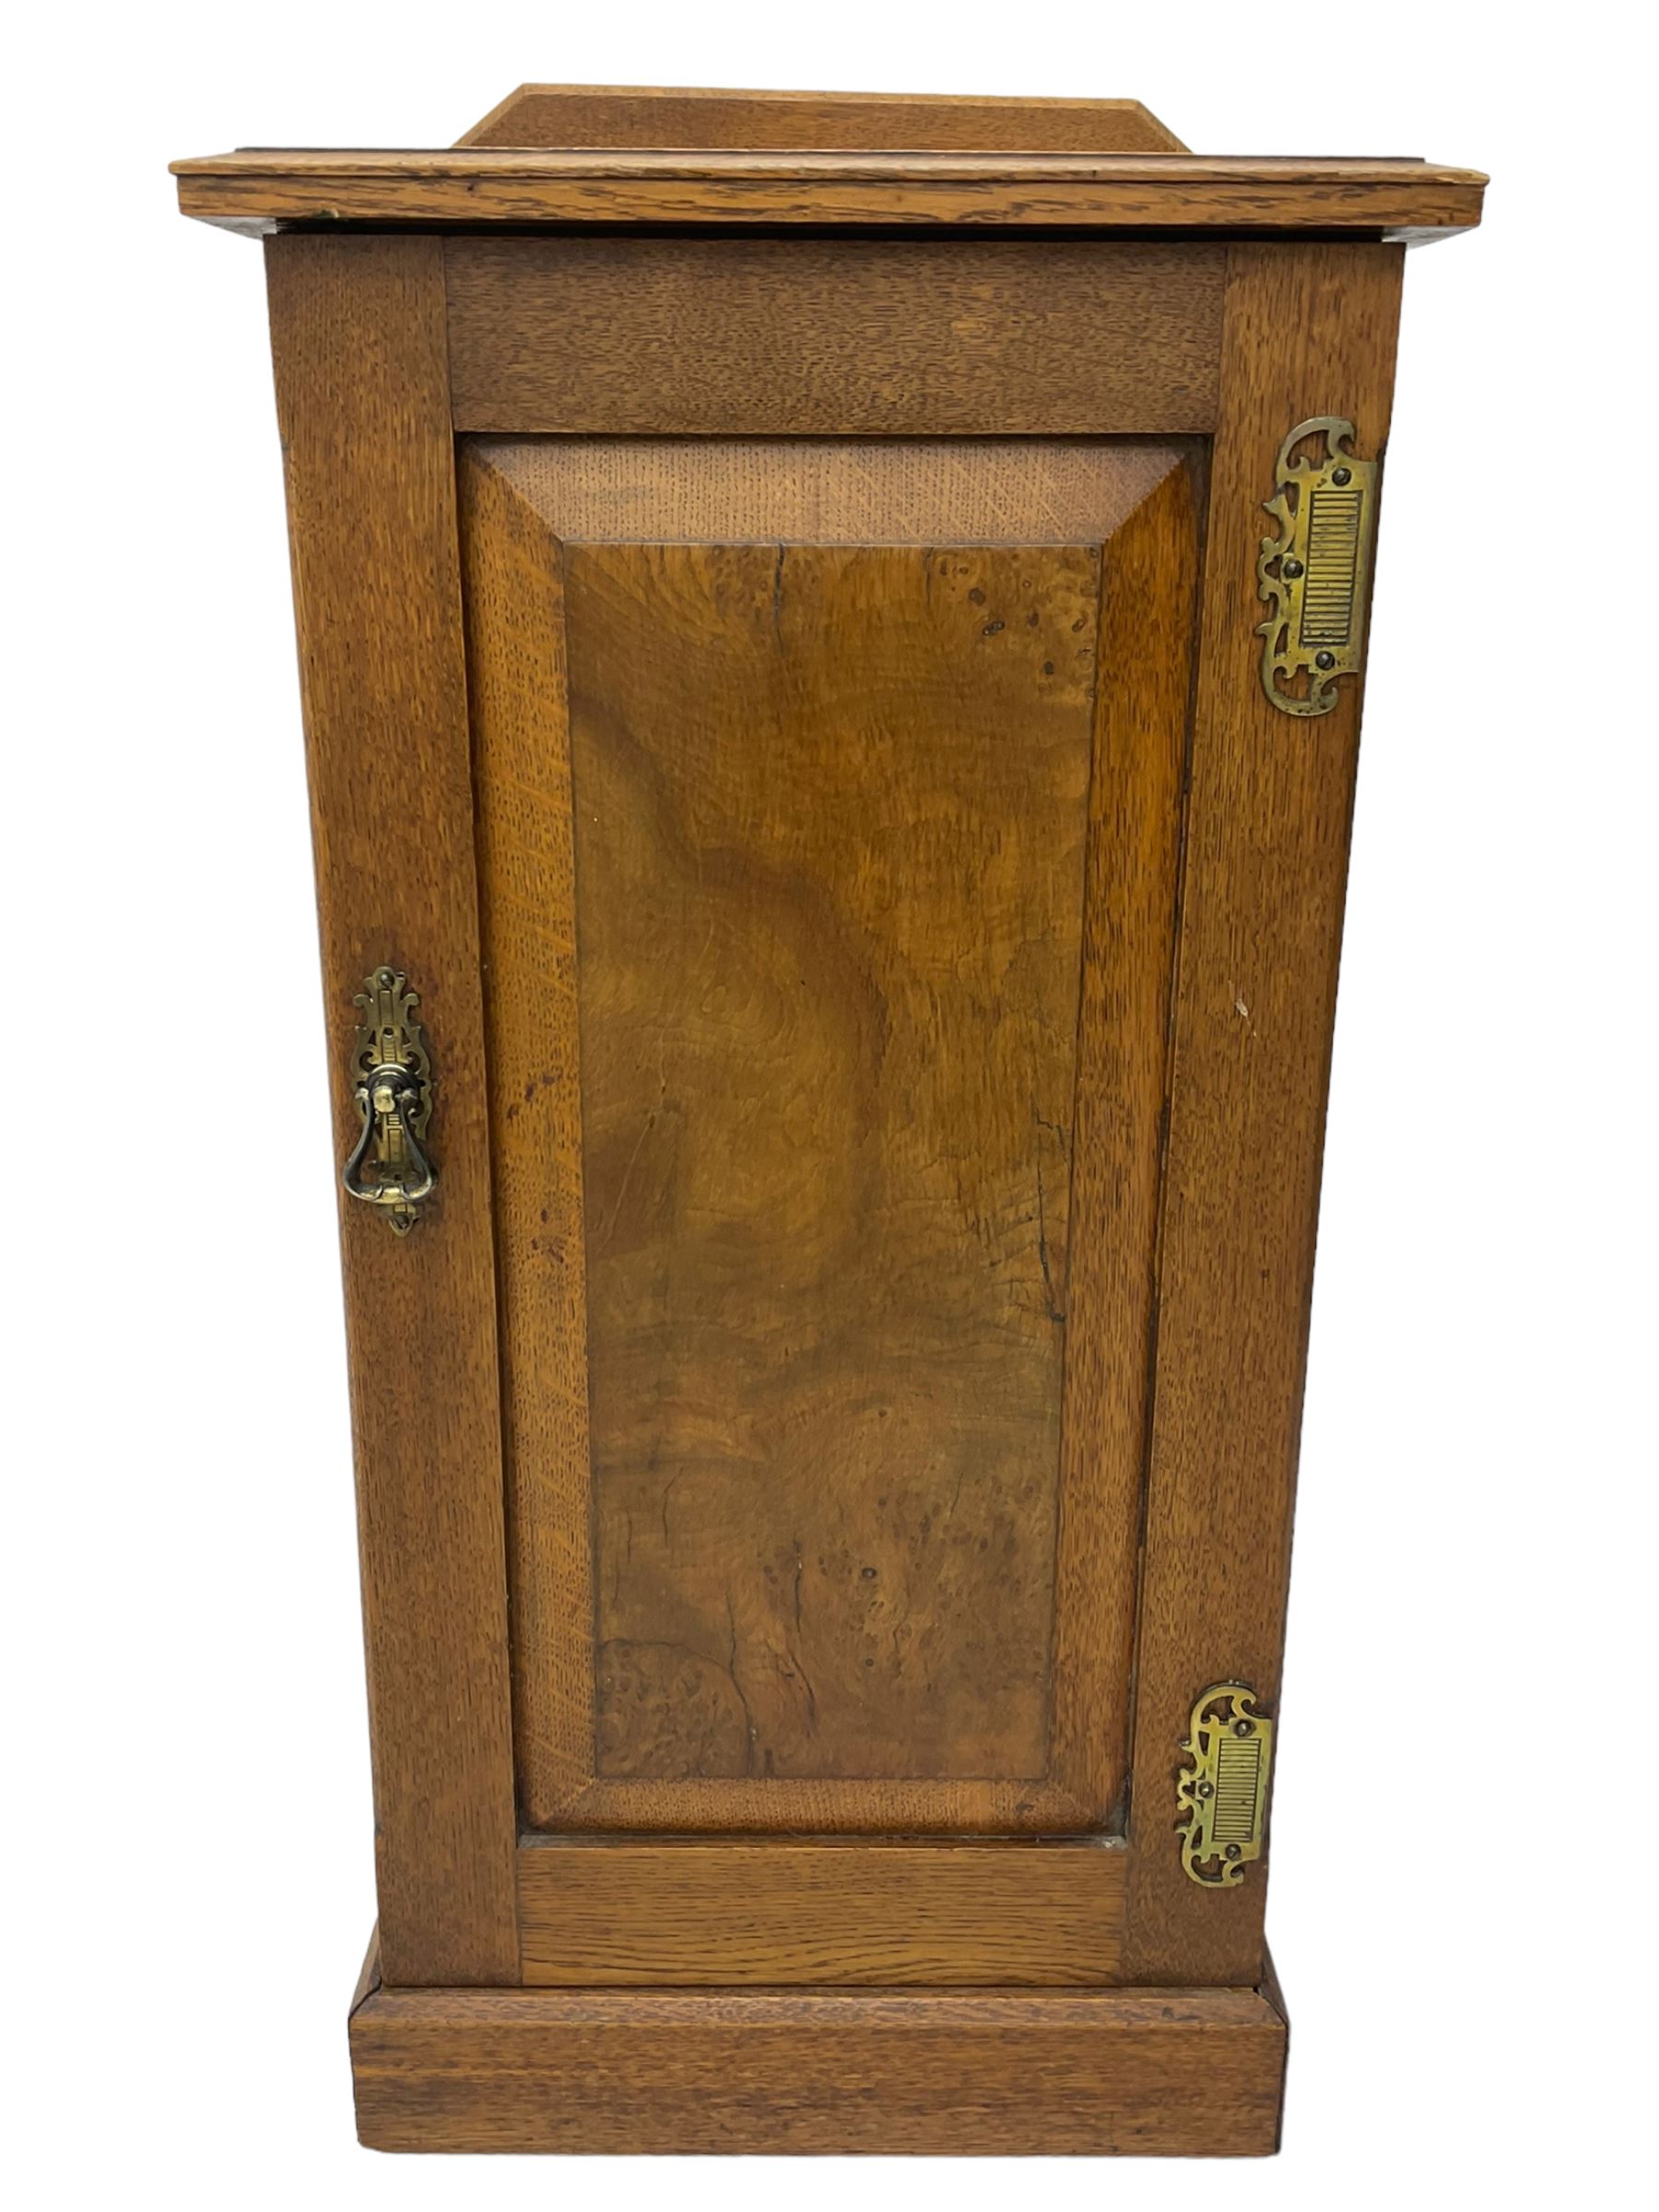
[583,154]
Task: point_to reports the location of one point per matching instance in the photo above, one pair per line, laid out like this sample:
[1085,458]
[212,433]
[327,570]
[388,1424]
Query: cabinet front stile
[362,394]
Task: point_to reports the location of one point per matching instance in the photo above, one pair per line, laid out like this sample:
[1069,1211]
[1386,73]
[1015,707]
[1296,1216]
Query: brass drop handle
[392,1087]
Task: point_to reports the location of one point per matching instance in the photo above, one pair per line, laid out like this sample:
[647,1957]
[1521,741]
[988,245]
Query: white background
[1462,1902]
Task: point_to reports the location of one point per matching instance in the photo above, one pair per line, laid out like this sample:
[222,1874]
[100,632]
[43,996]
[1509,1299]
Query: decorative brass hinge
[391,1083]
[1315,576]
[1224,1798]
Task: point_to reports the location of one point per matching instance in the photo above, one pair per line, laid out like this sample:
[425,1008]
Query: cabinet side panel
[358,330]
[1310,329]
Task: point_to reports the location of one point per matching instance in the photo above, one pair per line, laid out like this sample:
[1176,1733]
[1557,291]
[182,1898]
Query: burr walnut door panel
[828,815]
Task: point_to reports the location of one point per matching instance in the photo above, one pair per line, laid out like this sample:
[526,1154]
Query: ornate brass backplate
[1224,1798]
[1315,576]
[392,1082]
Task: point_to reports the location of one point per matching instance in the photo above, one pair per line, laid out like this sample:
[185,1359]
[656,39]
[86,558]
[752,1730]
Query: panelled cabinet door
[794,821]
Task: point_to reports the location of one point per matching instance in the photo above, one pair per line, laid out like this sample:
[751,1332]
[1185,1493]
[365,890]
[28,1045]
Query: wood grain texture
[512,498]
[782,1912]
[736,1661]
[831,806]
[363,406]
[849,338]
[520,746]
[829,492]
[369,1974]
[1310,329]
[657,115]
[1146,660]
[773,1805]
[1136,192]
[1191,2073]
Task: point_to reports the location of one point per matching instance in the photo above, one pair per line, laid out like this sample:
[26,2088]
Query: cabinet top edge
[261,189]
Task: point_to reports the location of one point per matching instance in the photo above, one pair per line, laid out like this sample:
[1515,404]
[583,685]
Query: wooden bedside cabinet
[831,633]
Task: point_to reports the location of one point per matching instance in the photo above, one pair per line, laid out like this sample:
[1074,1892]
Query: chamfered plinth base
[1168,2072]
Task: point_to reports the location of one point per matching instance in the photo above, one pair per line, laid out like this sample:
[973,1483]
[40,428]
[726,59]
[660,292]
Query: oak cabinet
[831,685]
